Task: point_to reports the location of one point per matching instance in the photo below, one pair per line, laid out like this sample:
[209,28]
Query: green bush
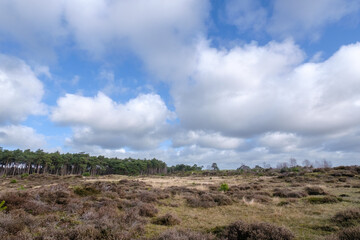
[24,175]
[13,181]
[86,174]
[224,187]
[2,207]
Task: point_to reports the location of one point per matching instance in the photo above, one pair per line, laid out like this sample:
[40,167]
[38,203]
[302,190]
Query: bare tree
[266,165]
[307,163]
[326,163]
[293,162]
[282,165]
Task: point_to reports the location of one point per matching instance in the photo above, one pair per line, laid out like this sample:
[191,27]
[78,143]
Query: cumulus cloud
[255,89]
[162,38]
[160,32]
[20,137]
[21,91]
[280,142]
[99,120]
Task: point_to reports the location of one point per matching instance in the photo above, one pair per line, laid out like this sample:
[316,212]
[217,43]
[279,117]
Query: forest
[17,162]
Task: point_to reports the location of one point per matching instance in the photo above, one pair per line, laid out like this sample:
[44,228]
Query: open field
[312,205]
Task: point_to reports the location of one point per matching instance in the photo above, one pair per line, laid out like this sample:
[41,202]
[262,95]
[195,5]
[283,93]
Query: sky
[184,81]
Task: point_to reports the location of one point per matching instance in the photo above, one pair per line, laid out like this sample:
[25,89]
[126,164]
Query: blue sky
[190,81]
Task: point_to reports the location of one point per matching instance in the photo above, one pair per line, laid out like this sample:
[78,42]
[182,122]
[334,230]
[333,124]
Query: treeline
[19,162]
[184,168]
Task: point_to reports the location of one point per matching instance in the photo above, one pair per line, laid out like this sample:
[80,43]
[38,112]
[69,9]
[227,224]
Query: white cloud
[37,25]
[21,91]
[254,89]
[306,17]
[139,123]
[280,142]
[20,137]
[204,139]
[160,32]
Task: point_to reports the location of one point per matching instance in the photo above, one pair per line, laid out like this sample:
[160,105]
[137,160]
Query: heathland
[287,203]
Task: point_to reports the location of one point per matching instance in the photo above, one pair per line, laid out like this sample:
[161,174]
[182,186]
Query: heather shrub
[342,179]
[347,217]
[14,222]
[259,198]
[59,194]
[15,199]
[221,200]
[351,233]
[287,193]
[86,191]
[323,200]
[146,196]
[255,231]
[167,220]
[180,234]
[205,201]
[147,210]
[315,190]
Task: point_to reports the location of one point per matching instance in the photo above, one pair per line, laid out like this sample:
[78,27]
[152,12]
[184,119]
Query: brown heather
[273,205]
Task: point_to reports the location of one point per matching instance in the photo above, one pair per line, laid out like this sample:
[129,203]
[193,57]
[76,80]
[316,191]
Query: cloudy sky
[185,81]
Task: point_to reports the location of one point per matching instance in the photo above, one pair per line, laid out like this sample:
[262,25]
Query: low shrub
[147,210]
[315,190]
[221,200]
[224,187]
[167,220]
[206,200]
[197,202]
[24,175]
[86,174]
[15,199]
[146,196]
[13,181]
[342,179]
[347,217]
[255,231]
[323,200]
[86,191]
[351,233]
[287,193]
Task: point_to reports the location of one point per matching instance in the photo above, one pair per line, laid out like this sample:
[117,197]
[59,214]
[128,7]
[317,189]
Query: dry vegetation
[309,205]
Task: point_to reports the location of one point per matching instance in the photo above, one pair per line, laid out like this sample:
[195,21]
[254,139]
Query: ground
[305,204]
